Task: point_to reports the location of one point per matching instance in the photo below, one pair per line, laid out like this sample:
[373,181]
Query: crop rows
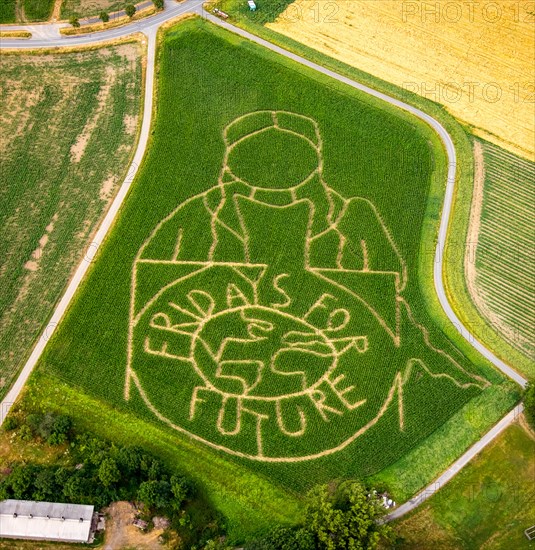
[81,110]
[155,301]
[38,10]
[505,259]
[7,11]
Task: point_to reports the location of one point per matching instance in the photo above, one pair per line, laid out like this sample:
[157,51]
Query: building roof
[45,520]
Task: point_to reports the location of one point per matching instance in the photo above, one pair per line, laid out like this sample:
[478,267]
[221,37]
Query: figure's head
[272,149]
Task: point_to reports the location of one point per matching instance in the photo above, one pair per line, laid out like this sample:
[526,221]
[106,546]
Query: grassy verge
[88,8]
[250,503]
[487,505]
[15,34]
[111,24]
[454,280]
[416,469]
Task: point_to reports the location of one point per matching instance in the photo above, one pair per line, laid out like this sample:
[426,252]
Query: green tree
[129,459]
[76,488]
[108,472]
[285,538]
[104,16]
[130,10]
[529,404]
[155,470]
[91,449]
[158,4]
[21,481]
[74,21]
[45,485]
[345,518]
[155,494]
[62,475]
[57,429]
[180,489]
[33,421]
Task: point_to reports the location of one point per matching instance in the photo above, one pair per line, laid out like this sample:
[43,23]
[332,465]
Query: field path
[458,465]
[149,26]
[56,12]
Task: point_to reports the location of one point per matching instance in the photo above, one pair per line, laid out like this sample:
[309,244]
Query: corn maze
[257,299]
[268,324]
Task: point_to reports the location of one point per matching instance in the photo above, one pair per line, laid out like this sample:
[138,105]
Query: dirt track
[120,533]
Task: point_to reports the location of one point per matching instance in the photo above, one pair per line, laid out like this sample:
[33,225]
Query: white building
[25,519]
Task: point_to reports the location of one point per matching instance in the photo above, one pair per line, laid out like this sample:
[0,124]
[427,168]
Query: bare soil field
[68,130]
[475,59]
[121,533]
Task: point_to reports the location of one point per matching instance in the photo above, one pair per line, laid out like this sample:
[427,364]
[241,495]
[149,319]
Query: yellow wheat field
[476,58]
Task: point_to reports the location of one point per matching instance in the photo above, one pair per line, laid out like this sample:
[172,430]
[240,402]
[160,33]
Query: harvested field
[85,8]
[502,277]
[67,137]
[271,323]
[477,60]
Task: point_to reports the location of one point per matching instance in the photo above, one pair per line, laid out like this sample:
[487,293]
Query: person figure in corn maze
[267,314]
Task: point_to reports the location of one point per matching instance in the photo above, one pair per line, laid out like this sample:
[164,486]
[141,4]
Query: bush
[74,21]
[130,10]
[158,4]
[108,473]
[104,16]
[334,520]
[49,427]
[155,494]
[285,538]
[25,433]
[10,424]
[61,428]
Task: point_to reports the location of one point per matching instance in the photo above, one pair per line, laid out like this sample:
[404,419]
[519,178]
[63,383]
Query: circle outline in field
[237,148]
[260,458]
[306,391]
[332,219]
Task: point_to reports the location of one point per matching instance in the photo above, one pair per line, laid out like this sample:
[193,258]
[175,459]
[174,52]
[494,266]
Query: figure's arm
[184,235]
[369,245]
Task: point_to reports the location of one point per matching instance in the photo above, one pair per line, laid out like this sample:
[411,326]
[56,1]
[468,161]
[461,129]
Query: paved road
[149,27]
[99,237]
[48,36]
[458,465]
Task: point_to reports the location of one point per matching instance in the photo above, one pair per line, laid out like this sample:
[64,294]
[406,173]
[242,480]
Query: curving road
[47,36]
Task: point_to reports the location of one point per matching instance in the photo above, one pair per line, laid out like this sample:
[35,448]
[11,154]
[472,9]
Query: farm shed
[25,519]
